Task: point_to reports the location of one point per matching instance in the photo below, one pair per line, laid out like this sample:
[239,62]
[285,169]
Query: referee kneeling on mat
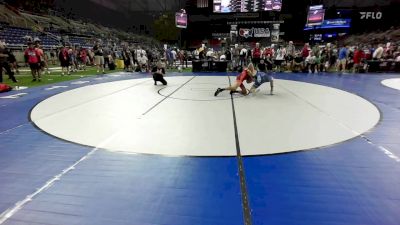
[159,73]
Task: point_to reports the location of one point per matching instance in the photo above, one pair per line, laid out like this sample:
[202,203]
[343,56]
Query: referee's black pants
[159,77]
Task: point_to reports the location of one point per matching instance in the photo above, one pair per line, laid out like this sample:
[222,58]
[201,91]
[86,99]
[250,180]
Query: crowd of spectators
[136,57]
[308,58]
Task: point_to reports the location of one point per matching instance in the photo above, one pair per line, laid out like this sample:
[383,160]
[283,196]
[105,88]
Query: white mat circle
[130,116]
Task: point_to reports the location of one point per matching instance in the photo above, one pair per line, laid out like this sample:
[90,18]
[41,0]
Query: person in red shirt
[306,51]
[42,57]
[357,59]
[246,75]
[64,60]
[268,51]
[32,57]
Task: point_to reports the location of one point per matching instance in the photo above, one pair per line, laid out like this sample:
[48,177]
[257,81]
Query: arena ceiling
[141,5]
[173,5]
[357,3]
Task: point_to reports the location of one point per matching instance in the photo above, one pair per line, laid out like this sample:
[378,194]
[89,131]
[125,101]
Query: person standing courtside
[256,55]
[290,52]
[236,57]
[42,57]
[63,57]
[32,57]
[98,57]
[4,63]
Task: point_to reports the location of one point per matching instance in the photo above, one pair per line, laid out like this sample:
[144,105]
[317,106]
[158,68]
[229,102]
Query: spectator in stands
[367,52]
[98,57]
[210,54]
[357,59]
[222,57]
[378,53]
[305,51]
[64,60]
[4,63]
[298,63]
[256,55]
[268,51]
[396,54]
[388,51]
[142,63]
[311,62]
[32,57]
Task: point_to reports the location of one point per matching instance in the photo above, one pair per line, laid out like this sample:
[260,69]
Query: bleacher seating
[16,24]
[14,36]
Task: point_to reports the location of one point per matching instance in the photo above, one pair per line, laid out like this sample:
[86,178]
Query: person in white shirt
[222,57]
[377,55]
[173,53]
[243,57]
[139,52]
[142,61]
[311,60]
[210,54]
[196,54]
[236,56]
[279,57]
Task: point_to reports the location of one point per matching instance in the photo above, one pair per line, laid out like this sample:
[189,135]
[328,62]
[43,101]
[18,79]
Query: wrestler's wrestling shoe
[219,90]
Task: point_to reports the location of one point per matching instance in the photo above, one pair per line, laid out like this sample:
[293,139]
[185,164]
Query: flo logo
[371,15]
[246,33]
